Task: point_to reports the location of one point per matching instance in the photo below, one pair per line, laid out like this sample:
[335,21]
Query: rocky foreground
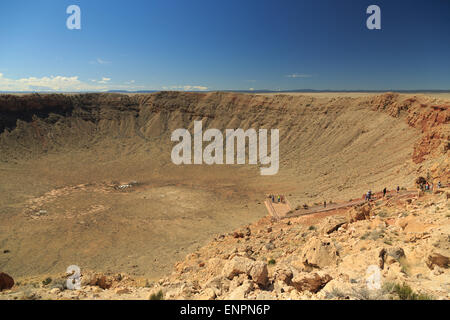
[321,256]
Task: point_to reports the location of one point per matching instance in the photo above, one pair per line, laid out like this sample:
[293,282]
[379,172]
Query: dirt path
[278,210]
[279,213]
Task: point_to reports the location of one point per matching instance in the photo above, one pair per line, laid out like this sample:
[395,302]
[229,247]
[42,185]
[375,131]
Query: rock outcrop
[256,270]
[301,262]
[437,259]
[319,253]
[312,282]
[359,213]
[6,281]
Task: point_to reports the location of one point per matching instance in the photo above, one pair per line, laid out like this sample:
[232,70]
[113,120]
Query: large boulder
[6,281]
[331,224]
[283,274]
[319,253]
[396,252]
[259,273]
[240,292]
[312,282]
[257,270]
[412,224]
[437,259]
[236,266]
[358,213]
[99,280]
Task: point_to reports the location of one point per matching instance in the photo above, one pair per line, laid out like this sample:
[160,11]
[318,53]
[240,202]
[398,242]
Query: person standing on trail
[325,204]
[279,199]
[398,189]
[384,192]
[439,185]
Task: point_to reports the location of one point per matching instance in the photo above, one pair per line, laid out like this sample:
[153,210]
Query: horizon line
[238,90]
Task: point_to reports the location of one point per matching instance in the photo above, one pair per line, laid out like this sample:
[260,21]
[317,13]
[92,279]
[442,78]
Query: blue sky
[224,45]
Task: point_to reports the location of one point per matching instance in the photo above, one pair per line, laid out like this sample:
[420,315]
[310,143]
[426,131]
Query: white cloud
[52,83]
[99,61]
[298,75]
[60,83]
[186,88]
[103,81]
[74,84]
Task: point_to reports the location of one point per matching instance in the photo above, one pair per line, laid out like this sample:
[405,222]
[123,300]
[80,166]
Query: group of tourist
[277,198]
[369,195]
[429,187]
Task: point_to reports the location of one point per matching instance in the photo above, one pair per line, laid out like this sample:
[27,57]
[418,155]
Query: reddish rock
[439,260]
[312,282]
[101,281]
[359,213]
[6,282]
[238,235]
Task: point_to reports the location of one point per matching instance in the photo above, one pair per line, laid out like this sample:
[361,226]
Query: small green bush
[157,296]
[404,292]
[383,214]
[47,281]
[335,293]
[374,235]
